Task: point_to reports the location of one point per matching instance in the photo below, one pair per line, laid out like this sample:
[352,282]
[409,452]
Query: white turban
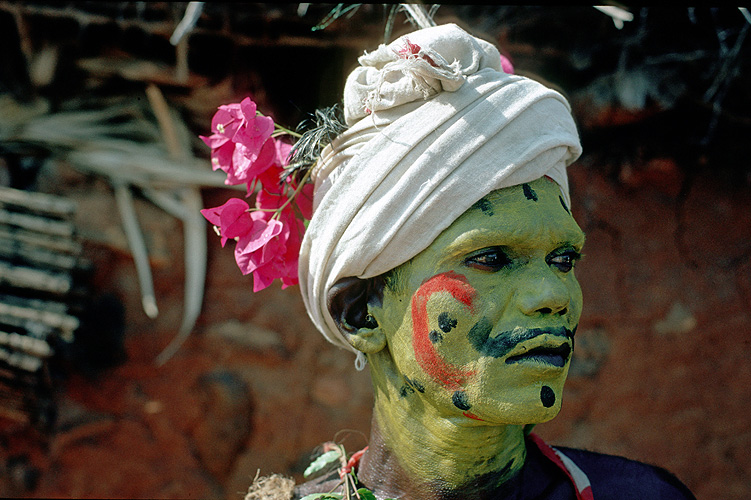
[434,125]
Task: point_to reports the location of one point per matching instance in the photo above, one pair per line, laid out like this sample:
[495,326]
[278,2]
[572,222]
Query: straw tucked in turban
[434,125]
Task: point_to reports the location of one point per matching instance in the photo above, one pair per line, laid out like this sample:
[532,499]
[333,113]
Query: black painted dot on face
[547,396]
[486,207]
[529,193]
[435,336]
[446,322]
[406,390]
[563,204]
[460,400]
[415,384]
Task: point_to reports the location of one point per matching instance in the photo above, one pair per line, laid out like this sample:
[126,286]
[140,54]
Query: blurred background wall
[96,101]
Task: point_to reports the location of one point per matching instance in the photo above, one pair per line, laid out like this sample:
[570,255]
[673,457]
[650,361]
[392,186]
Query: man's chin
[533,405]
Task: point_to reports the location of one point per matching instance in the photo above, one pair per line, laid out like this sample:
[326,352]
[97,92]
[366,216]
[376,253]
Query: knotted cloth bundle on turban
[434,125]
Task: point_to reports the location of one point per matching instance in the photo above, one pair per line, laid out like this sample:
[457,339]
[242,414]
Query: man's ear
[351,302]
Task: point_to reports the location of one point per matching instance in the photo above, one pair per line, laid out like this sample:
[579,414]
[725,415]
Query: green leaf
[319,463]
[322,496]
[366,494]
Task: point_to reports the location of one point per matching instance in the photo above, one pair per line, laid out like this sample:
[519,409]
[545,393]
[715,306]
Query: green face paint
[480,324]
[484,317]
[479,328]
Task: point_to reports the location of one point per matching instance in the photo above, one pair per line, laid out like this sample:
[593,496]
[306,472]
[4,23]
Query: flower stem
[295,193]
[284,131]
[279,130]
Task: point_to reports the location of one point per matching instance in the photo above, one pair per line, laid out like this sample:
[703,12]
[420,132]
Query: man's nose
[543,292]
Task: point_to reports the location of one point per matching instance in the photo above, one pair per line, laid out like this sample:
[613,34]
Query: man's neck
[415,453]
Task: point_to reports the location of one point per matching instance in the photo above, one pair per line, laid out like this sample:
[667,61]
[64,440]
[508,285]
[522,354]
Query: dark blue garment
[611,477]
[617,478]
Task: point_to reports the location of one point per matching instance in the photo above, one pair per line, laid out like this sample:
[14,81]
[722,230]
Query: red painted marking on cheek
[426,355]
[472,416]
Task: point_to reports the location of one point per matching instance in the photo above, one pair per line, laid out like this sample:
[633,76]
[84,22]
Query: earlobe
[367,340]
[350,302]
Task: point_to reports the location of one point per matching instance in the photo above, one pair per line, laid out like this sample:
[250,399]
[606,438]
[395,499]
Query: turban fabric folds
[434,125]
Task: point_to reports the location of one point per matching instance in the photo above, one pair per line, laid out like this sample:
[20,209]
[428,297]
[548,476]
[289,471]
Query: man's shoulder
[619,478]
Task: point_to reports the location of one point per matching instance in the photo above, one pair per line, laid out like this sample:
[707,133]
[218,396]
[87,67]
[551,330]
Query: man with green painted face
[442,252]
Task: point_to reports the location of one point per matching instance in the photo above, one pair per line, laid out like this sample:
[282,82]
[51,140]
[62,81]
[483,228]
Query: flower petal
[214,141]
[261,234]
[227,120]
[271,180]
[254,134]
[304,200]
[231,218]
[282,153]
[221,157]
[248,108]
[261,280]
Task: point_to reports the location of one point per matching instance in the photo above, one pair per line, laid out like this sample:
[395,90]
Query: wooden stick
[60,321]
[182,71]
[38,224]
[35,279]
[41,203]
[137,245]
[12,250]
[20,360]
[162,112]
[34,347]
[63,245]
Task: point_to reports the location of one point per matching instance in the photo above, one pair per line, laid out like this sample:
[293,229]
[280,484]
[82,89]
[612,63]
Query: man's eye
[491,259]
[565,261]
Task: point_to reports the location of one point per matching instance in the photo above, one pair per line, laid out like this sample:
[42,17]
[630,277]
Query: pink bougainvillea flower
[278,257]
[291,256]
[270,200]
[232,218]
[284,265]
[239,141]
[227,120]
[215,141]
[272,266]
[506,65]
[282,153]
[304,201]
[275,194]
[246,167]
[239,122]
[270,181]
[222,150]
[261,240]
[258,251]
[268,237]
[263,232]
[256,129]
[270,178]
